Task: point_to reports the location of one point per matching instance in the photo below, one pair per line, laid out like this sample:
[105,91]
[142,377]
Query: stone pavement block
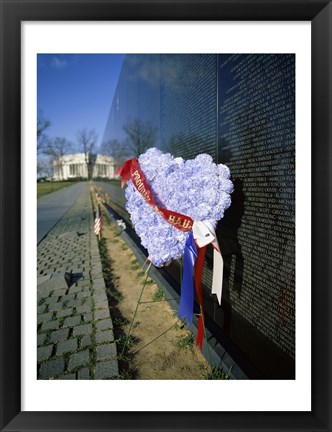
[99,298]
[104,352]
[68,297]
[95,258]
[67,346]
[59,293]
[83,374]
[83,294]
[99,291]
[98,283]
[78,268]
[52,368]
[42,279]
[75,289]
[51,300]
[72,321]
[102,305]
[83,283]
[40,299]
[85,341]
[47,273]
[44,353]
[88,317]
[106,369]
[102,313]
[61,268]
[55,307]
[79,359]
[67,377]
[74,303]
[41,339]
[50,325]
[41,309]
[86,307]
[86,301]
[44,317]
[85,273]
[65,312]
[79,261]
[104,324]
[96,271]
[83,329]
[59,335]
[104,336]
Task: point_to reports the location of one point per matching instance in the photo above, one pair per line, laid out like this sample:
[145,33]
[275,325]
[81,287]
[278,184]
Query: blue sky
[76,91]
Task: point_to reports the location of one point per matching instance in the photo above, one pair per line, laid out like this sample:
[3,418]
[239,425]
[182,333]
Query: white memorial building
[73,166]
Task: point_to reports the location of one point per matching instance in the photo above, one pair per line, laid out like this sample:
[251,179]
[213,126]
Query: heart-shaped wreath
[174,205]
[197,188]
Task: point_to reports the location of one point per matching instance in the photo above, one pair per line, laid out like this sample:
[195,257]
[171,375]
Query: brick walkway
[75,336]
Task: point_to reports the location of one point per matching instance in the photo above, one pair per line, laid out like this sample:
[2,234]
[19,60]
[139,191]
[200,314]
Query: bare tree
[44,168]
[87,140]
[140,136]
[42,125]
[56,149]
[118,151]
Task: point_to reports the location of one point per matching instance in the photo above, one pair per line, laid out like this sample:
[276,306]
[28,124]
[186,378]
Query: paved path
[74,326]
[51,207]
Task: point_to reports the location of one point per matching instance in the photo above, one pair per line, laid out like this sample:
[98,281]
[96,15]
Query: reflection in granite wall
[241,110]
[137,97]
[188,115]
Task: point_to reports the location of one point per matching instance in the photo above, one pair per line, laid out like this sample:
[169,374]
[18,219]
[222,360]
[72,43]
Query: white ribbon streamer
[205,234]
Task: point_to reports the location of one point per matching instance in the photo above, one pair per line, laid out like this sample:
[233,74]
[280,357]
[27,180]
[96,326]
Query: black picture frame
[13,12]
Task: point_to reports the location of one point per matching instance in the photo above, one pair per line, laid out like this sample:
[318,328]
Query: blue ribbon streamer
[186,306]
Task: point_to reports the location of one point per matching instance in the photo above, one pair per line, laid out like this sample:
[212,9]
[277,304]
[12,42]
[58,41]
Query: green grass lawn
[49,187]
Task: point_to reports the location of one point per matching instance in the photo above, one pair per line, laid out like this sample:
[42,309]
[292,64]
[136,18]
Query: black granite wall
[241,110]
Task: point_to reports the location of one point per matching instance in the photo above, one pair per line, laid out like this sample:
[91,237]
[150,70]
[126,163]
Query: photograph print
[166,216]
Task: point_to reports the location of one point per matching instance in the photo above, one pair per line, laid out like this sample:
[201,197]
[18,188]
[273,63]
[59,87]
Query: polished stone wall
[241,110]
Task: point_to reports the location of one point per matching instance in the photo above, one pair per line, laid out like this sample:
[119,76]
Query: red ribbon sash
[198,283]
[131,170]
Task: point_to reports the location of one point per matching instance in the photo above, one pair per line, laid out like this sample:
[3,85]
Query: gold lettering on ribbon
[135,174]
[140,186]
[186,224]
